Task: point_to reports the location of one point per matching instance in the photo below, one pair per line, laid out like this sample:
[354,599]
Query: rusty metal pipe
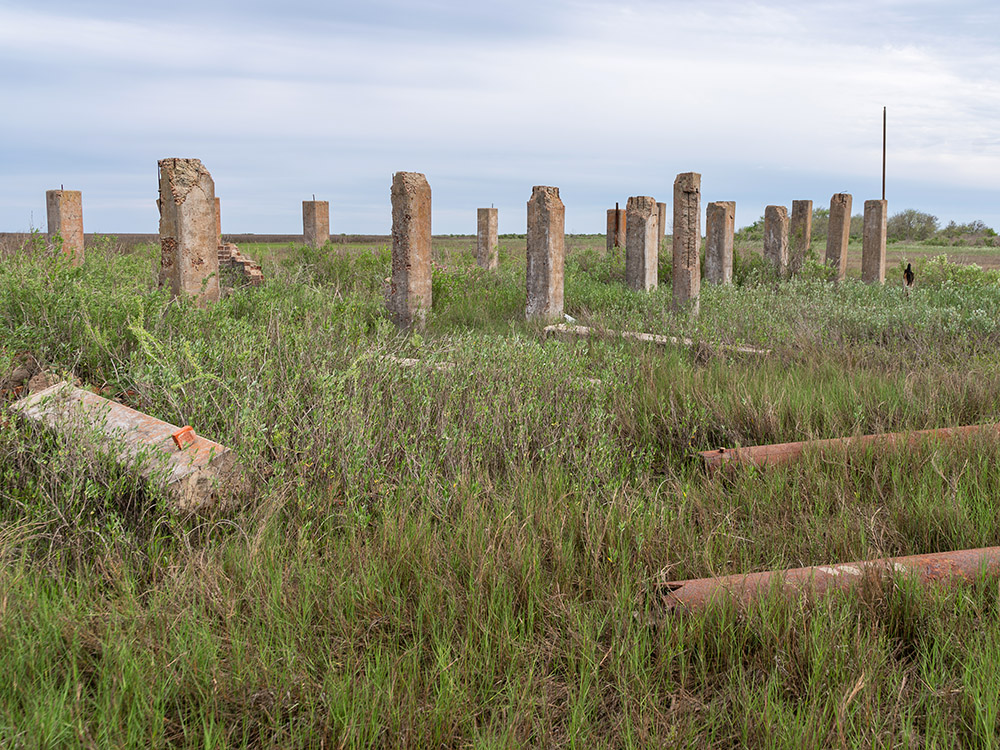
[940,567]
[782,453]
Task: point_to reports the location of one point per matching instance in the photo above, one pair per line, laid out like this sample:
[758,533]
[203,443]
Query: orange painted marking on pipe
[184,437]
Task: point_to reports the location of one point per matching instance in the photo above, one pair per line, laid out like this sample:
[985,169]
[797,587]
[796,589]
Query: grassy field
[470,557]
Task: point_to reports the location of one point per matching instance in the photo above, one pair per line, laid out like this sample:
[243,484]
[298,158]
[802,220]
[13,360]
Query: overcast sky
[769,101]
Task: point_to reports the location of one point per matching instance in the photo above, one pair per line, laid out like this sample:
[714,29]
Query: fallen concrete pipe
[782,453]
[568,332]
[939,567]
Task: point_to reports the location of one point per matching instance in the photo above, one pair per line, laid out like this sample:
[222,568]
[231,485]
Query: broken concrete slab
[193,476]
[568,332]
[783,453]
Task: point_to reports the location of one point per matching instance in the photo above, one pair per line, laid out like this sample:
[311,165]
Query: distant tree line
[905,226]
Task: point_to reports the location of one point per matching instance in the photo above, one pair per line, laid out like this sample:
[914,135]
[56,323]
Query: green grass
[469,557]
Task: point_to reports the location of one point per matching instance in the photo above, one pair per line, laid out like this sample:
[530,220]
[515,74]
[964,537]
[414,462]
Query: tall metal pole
[883,153]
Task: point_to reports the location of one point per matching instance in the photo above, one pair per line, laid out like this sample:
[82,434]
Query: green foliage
[469,551]
[910,225]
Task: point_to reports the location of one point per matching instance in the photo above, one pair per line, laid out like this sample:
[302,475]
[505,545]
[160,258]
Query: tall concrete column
[642,243]
[800,234]
[873,248]
[409,297]
[315,223]
[189,242]
[64,210]
[546,253]
[661,218]
[617,223]
[218,218]
[687,241]
[486,238]
[839,233]
[720,229]
[776,238]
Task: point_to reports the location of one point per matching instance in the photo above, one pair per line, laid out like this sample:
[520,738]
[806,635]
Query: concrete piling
[617,222]
[720,228]
[64,209]
[409,296]
[189,242]
[546,252]
[486,238]
[776,238]
[873,247]
[218,218]
[687,242]
[642,243]
[800,234]
[315,223]
[839,234]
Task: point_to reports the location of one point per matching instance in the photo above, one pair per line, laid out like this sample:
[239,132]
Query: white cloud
[613,99]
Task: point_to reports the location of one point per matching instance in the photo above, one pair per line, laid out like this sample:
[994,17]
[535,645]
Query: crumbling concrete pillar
[409,298]
[315,223]
[873,247]
[486,238]
[617,223]
[720,228]
[661,218]
[189,241]
[546,252]
[218,218]
[65,218]
[642,243]
[800,234]
[687,241]
[838,233]
[776,238]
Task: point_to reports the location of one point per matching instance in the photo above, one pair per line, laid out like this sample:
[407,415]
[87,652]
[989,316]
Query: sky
[770,101]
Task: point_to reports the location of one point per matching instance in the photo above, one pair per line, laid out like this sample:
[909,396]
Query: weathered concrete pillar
[486,238]
[838,233]
[189,242]
[315,223]
[776,238]
[546,251]
[661,218]
[800,234]
[218,218]
[642,243]
[65,218]
[873,248]
[720,228]
[409,297]
[687,241]
[617,222]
